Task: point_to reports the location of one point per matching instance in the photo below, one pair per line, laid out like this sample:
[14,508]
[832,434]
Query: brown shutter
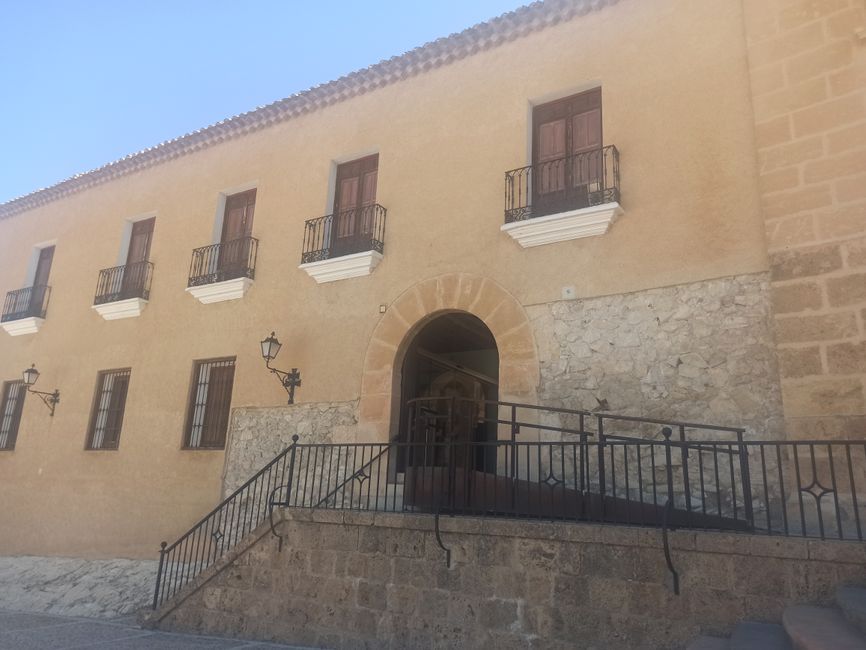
[139,241]
[355,190]
[217,406]
[116,407]
[238,216]
[237,224]
[43,267]
[567,141]
[11,408]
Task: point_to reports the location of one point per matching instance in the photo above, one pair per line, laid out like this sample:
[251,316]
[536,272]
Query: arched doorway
[450,374]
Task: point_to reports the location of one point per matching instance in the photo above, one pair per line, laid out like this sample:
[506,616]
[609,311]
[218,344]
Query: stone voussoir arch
[474,294]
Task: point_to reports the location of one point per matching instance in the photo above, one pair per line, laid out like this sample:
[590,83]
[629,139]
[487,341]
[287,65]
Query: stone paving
[29,631]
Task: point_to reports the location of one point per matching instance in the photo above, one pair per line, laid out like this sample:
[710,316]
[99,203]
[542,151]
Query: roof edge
[435,54]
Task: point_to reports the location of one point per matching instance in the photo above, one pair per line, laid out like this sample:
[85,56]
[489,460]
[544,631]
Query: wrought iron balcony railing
[224,261]
[570,183]
[123,283]
[25,303]
[343,233]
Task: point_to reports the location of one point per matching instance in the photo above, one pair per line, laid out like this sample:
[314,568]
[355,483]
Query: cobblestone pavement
[29,631]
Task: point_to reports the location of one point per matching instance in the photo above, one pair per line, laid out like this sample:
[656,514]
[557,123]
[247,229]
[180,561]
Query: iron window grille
[209,404]
[10,413]
[109,404]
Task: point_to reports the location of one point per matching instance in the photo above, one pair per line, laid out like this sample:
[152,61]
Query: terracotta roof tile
[442,51]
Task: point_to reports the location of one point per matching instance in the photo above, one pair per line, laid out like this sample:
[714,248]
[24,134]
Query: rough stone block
[824,327]
[495,613]
[789,298]
[800,362]
[824,397]
[847,290]
[847,358]
[805,262]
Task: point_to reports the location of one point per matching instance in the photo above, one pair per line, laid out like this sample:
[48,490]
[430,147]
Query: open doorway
[453,355]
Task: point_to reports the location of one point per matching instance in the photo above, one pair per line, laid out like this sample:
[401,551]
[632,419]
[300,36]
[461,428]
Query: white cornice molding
[29,325]
[342,268]
[221,291]
[129,308]
[563,226]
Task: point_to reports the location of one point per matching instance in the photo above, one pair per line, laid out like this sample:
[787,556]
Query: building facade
[640,208]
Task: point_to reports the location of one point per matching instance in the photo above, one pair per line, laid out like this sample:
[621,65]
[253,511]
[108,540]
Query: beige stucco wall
[675,102]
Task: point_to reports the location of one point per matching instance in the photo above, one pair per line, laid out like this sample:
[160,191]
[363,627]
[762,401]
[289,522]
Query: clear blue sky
[85,82]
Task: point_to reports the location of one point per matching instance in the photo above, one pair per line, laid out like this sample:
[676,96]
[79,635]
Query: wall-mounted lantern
[50,399]
[290,380]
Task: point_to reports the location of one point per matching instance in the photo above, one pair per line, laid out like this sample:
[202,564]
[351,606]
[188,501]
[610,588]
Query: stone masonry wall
[358,580]
[807,64]
[700,352]
[256,435]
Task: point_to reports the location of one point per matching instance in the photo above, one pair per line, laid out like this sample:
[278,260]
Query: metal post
[159,574]
[685,455]
[291,469]
[667,433]
[745,472]
[601,444]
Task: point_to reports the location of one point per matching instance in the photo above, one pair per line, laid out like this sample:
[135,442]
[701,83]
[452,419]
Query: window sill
[563,226]
[355,265]
[221,291]
[28,325]
[129,308]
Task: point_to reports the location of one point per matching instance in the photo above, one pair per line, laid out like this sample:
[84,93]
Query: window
[209,403]
[566,152]
[237,229]
[354,206]
[106,416]
[10,412]
[135,273]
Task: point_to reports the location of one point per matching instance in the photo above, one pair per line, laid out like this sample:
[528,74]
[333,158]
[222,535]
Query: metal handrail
[124,282]
[25,303]
[343,233]
[576,181]
[226,260]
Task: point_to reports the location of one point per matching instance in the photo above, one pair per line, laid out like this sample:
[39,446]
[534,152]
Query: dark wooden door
[567,141]
[354,198]
[237,227]
[40,281]
[135,273]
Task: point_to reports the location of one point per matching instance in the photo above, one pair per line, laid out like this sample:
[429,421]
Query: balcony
[223,271]
[123,291]
[567,198]
[24,310]
[345,244]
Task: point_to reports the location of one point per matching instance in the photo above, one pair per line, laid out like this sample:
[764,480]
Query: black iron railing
[27,302]
[227,260]
[123,283]
[222,528]
[501,459]
[343,233]
[577,181]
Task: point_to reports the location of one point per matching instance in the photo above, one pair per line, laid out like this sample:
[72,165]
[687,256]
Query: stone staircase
[803,627]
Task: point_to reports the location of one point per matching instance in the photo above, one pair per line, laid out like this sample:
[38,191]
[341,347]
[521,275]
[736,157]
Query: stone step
[852,601]
[749,635]
[709,643]
[820,628]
